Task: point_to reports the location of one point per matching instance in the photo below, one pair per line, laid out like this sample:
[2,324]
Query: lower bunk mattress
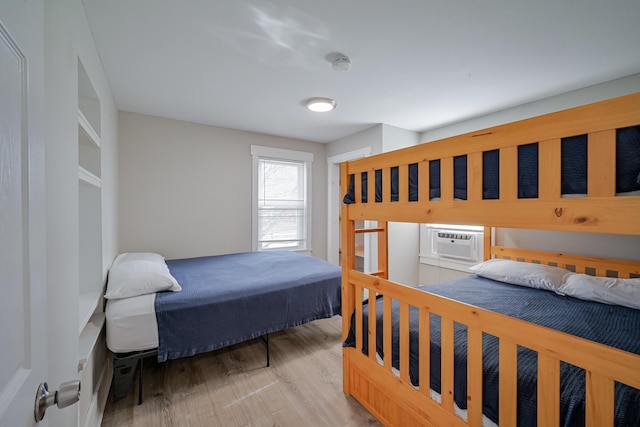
[611,325]
[225,300]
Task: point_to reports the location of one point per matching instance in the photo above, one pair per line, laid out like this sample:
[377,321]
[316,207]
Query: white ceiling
[416,64]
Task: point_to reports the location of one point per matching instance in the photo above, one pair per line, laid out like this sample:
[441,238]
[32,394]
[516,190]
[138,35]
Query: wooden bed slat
[357,186]
[387,332]
[549,164]
[548,391]
[474,176]
[383,256]
[600,402]
[386,186]
[372,326]
[446,178]
[404,341]
[358,309]
[423,180]
[508,383]
[425,351]
[371,186]
[601,158]
[446,370]
[474,373]
[403,176]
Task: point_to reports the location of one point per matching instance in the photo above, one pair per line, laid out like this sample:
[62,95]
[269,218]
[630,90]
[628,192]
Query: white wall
[67,37]
[588,95]
[625,247]
[371,138]
[185,188]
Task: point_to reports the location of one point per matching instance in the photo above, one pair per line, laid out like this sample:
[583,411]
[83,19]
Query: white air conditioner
[453,244]
[456,244]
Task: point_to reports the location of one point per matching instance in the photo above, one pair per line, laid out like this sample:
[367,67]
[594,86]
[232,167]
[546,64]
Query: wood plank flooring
[233,387]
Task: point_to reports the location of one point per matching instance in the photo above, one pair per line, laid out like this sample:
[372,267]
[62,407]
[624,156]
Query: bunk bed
[207,303]
[449,355]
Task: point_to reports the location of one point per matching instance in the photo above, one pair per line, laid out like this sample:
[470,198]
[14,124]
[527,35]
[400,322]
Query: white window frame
[260,152]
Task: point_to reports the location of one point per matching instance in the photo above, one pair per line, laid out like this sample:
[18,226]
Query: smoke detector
[339,61]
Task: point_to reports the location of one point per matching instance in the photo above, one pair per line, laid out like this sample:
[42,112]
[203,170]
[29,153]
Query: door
[23,310]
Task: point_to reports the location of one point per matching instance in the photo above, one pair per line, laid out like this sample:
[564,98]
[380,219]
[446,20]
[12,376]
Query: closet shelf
[93,135]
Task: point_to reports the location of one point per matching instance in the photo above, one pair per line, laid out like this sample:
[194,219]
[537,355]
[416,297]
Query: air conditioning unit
[453,244]
[456,244]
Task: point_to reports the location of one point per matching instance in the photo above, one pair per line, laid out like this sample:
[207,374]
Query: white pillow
[607,290]
[134,274]
[138,256]
[521,273]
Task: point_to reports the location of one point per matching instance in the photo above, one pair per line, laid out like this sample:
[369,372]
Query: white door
[23,310]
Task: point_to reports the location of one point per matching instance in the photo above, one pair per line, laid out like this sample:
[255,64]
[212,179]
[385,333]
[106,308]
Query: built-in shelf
[86,126]
[86,176]
[89,338]
[92,351]
[88,302]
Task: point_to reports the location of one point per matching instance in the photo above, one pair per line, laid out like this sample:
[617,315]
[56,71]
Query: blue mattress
[614,326]
[228,299]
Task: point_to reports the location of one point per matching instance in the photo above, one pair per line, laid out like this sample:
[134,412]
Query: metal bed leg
[265,340]
[124,366]
[140,381]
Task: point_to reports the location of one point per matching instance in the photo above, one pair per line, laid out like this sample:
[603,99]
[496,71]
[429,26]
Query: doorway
[369,247]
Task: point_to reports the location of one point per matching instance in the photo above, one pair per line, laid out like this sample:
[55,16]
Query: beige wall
[185,188]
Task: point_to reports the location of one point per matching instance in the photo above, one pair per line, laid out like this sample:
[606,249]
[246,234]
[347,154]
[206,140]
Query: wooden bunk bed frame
[389,395]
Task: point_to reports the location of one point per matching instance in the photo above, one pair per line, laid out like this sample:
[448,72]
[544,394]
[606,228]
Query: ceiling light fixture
[320,105]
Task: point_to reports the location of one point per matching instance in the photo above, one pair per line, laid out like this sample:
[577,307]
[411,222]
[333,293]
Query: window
[281,199]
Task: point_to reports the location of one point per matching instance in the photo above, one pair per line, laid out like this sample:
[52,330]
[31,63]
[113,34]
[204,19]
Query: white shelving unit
[90,314]
[89,337]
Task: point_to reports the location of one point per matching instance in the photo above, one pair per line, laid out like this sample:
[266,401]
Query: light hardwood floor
[233,387]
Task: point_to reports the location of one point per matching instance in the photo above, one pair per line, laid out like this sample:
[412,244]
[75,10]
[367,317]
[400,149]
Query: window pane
[281,205]
[281,181]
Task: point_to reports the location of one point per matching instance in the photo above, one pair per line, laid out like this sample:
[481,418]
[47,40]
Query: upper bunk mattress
[228,299]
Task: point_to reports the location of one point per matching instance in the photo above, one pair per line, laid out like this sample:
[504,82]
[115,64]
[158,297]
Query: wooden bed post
[383,249]
[487,242]
[348,262]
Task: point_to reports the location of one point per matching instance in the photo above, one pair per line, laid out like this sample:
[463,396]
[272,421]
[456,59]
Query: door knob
[68,394]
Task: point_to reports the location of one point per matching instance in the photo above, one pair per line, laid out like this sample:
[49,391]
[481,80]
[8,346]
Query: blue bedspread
[614,326]
[228,299]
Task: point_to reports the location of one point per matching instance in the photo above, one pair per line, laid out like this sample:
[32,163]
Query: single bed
[224,300]
[423,184]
